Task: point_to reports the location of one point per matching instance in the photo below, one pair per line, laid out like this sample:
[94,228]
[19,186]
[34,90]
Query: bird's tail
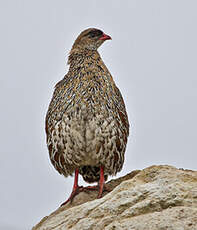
[91,174]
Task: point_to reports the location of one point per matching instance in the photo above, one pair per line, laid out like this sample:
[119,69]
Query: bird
[87,125]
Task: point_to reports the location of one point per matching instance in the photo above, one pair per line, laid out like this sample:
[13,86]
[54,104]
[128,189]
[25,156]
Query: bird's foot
[73,194]
[105,189]
[96,188]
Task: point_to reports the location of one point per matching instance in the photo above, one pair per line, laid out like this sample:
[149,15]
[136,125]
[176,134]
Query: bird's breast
[85,134]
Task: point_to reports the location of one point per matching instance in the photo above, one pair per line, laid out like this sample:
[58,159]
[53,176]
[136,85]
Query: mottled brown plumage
[86,123]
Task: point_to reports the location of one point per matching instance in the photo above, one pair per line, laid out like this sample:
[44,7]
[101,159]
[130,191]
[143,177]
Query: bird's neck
[79,57]
[88,65]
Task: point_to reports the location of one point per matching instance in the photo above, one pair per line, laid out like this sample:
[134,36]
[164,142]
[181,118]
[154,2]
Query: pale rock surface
[156,198]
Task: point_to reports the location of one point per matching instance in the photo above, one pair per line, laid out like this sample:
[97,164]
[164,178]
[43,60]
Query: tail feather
[91,174]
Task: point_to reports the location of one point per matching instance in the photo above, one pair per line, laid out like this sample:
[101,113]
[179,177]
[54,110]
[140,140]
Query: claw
[73,194]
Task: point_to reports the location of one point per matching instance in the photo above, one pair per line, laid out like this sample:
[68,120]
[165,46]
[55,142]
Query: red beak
[105,37]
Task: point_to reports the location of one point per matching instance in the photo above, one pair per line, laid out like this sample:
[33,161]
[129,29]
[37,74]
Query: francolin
[86,124]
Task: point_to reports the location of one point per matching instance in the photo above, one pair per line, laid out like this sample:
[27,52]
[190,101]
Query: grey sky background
[152,57]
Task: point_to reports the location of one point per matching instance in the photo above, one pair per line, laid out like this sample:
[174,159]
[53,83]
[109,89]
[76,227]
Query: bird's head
[90,39]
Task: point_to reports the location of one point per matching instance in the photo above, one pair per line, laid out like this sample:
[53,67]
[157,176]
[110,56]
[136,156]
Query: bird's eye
[95,33]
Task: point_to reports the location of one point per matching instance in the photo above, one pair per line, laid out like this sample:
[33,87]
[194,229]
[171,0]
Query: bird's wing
[62,98]
[120,105]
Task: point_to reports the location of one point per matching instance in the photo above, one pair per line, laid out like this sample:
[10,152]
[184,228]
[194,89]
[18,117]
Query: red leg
[76,188]
[101,182]
[101,185]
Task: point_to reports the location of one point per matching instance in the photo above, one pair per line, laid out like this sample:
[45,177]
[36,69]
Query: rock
[156,198]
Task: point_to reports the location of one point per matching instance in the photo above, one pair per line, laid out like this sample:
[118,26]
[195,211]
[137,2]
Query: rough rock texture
[156,198]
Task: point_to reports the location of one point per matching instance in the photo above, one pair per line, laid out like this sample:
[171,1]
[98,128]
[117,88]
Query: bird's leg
[76,189]
[101,182]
